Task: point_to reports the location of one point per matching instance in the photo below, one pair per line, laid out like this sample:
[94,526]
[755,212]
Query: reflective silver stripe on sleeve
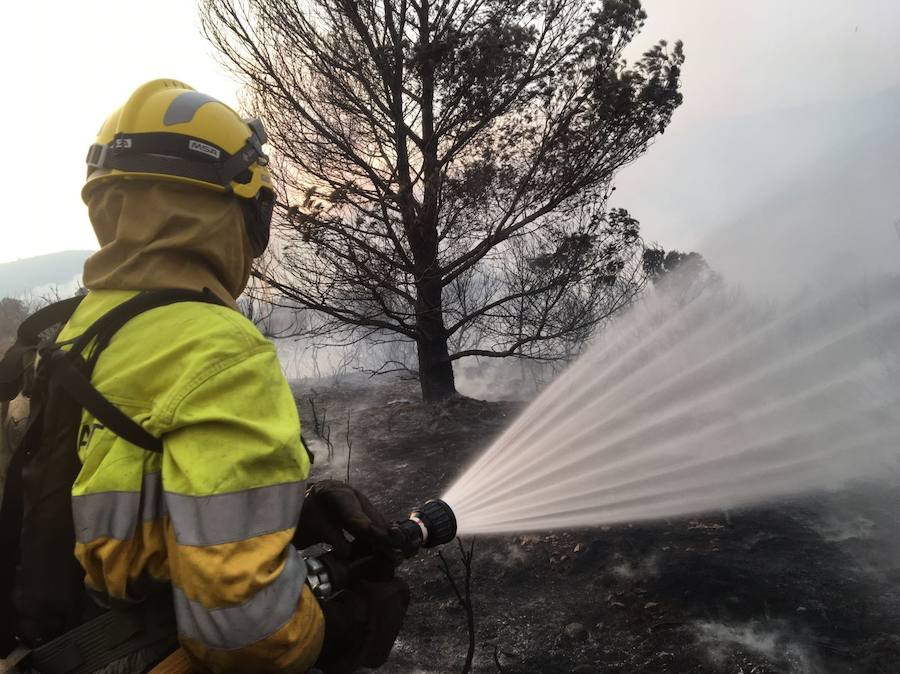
[236,516]
[116,514]
[262,615]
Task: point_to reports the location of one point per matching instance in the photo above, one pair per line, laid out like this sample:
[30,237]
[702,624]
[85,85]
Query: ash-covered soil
[806,585]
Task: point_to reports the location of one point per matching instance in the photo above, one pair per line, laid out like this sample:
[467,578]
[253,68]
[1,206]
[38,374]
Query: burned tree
[445,165]
[681,277]
[658,263]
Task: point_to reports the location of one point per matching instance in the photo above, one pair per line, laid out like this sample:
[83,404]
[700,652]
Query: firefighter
[180,197]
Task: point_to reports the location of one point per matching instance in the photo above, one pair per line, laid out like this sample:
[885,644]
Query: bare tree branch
[445,165]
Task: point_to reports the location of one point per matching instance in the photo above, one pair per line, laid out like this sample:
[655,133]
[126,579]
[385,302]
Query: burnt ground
[806,585]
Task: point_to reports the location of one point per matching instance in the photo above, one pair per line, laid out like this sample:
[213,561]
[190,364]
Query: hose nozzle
[430,525]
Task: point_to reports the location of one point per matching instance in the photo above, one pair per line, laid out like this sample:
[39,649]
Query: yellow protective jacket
[215,513]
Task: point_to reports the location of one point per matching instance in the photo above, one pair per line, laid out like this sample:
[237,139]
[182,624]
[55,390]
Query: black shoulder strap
[70,371]
[14,361]
[44,319]
[67,373]
[107,325]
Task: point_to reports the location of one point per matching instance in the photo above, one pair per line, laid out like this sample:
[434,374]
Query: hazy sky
[68,65]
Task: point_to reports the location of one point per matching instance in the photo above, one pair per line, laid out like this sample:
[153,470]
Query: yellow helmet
[168,131]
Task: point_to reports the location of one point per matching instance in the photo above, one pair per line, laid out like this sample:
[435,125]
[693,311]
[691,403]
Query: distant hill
[34,273]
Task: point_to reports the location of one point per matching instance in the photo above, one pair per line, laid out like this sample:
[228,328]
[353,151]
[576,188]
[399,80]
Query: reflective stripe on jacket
[215,513]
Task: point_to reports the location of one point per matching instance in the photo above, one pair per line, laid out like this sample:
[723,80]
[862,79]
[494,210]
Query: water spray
[428,526]
[681,409]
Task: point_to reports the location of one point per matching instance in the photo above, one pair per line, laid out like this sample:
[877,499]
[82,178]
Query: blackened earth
[810,584]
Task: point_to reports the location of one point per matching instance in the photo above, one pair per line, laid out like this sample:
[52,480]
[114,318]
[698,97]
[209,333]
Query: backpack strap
[43,319]
[107,325]
[67,373]
[72,380]
[15,360]
[73,372]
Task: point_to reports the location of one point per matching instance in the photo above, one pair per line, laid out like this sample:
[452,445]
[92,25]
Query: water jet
[681,409]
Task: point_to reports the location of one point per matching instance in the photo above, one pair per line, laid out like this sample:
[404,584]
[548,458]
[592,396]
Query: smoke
[838,527]
[781,204]
[502,378]
[781,200]
[833,219]
[648,567]
[863,524]
[727,642]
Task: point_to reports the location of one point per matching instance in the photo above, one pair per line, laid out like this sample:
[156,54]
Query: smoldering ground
[800,584]
[801,578]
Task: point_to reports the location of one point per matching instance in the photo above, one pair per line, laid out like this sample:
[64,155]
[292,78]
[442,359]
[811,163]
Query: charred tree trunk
[435,368]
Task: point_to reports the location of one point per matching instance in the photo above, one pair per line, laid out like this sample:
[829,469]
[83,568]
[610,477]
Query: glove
[361,623]
[387,602]
[332,507]
[346,618]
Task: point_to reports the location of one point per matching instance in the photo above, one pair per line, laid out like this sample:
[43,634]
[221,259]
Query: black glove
[361,623]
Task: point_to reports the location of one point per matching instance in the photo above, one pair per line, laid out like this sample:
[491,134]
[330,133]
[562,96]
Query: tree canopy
[445,166]
[12,313]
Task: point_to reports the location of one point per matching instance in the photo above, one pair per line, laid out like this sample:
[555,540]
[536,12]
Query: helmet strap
[175,155]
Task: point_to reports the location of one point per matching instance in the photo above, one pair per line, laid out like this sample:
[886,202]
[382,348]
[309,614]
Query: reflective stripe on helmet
[184,106]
